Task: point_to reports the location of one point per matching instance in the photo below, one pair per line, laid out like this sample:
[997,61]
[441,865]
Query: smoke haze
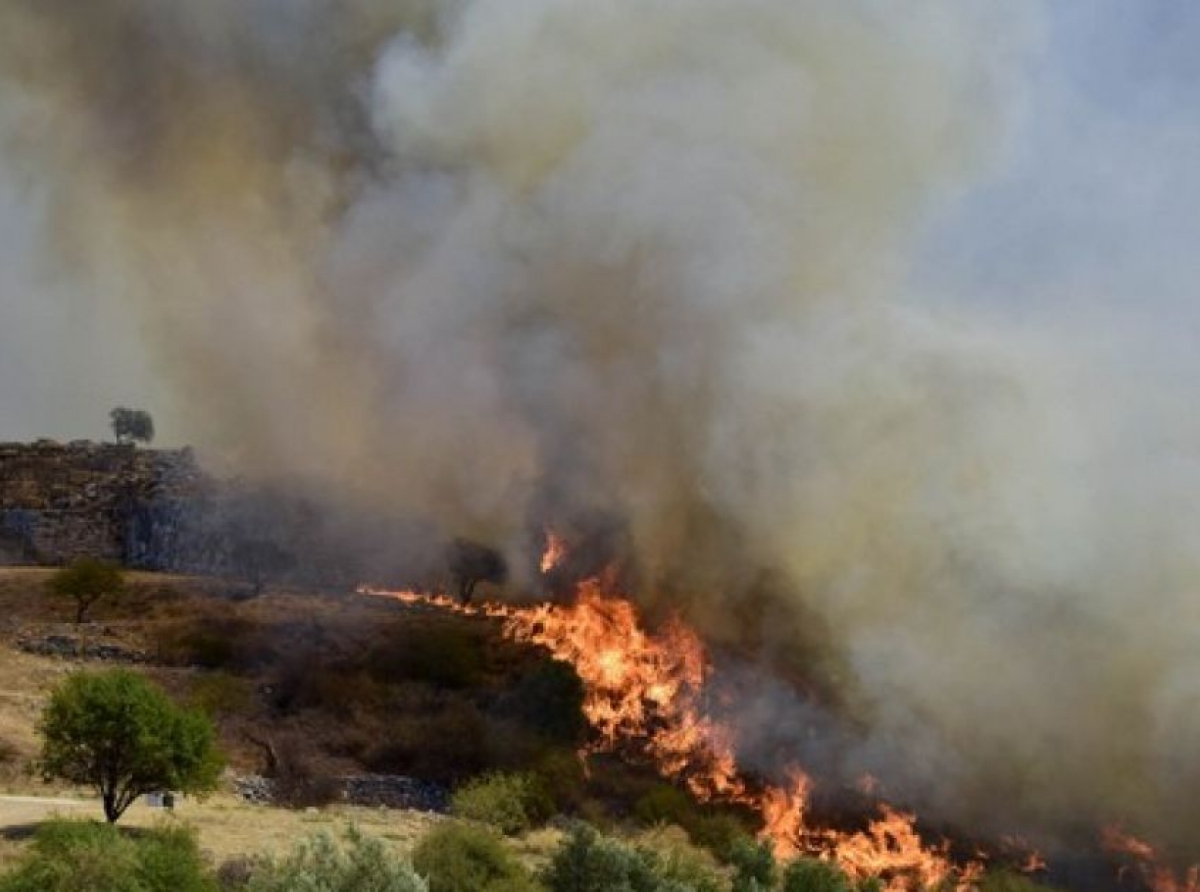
[651,261]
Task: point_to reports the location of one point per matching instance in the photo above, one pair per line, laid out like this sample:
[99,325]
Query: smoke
[563,260]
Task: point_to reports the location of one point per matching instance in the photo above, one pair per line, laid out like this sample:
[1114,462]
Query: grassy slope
[153,607]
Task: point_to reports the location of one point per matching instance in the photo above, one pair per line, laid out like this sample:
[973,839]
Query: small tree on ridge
[129,425]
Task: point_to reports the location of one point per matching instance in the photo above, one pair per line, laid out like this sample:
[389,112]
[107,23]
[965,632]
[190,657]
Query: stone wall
[60,501]
[155,509]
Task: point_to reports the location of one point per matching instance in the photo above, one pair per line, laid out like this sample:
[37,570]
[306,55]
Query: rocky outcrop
[61,501]
[154,509]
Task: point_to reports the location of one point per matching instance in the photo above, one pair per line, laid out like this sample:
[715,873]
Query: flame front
[644,695]
[1142,858]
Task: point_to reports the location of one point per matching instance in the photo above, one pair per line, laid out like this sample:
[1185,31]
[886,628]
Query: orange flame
[556,550]
[1146,862]
[644,693]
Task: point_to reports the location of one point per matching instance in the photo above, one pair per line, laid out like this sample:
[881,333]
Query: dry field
[226,825]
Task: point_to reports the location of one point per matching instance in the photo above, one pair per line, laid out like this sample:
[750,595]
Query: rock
[372,790]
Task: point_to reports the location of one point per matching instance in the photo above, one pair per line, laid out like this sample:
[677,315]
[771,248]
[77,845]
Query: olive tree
[129,425]
[120,734]
[85,581]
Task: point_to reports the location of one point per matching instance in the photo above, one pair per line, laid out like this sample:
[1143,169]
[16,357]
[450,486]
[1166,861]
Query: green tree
[129,425]
[85,581]
[122,735]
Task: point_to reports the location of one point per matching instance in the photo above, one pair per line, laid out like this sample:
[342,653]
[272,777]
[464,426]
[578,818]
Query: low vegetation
[512,803]
[78,856]
[459,857]
[357,863]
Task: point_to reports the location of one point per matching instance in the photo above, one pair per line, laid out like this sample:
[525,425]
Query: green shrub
[810,875]
[753,866]
[78,856]
[456,857]
[320,864]
[589,862]
[675,859]
[561,772]
[714,828]
[512,803]
[664,804]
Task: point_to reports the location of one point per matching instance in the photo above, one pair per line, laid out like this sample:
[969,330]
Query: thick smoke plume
[556,260]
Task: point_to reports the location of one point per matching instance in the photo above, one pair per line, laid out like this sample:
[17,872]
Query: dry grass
[226,826]
[336,626]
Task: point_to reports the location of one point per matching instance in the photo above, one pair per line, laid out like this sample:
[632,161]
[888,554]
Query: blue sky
[1099,203]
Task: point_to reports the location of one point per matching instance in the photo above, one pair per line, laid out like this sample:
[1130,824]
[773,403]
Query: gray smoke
[645,261]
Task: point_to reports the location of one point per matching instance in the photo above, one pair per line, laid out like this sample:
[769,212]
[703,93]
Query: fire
[556,550]
[644,693]
[1142,857]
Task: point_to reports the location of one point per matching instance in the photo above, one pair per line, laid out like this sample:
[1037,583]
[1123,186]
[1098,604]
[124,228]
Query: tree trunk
[110,807]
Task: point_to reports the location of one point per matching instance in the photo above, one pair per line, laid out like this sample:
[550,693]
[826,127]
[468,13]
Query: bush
[77,856]
[211,642]
[714,828]
[359,864]
[548,697]
[753,866]
[446,653]
[589,862]
[810,875]
[512,803]
[448,746]
[456,857]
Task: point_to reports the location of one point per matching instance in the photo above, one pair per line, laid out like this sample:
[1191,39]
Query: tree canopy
[129,425]
[122,735]
[85,581]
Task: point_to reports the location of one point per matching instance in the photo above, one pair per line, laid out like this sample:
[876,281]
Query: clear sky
[1093,214]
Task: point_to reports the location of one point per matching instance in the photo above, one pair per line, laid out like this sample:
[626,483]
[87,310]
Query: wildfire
[644,695]
[556,550]
[1142,857]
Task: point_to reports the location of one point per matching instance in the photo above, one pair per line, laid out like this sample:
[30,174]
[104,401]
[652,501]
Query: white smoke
[648,260]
